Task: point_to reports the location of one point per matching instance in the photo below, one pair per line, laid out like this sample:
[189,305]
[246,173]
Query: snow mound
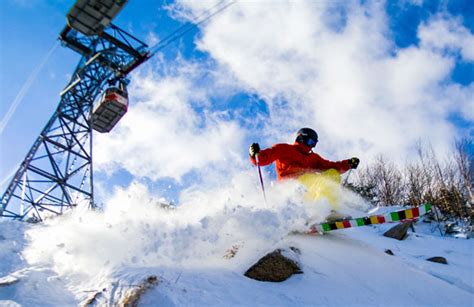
[134,230]
[198,252]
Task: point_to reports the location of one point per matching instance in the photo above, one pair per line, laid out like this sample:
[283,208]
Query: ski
[396,216]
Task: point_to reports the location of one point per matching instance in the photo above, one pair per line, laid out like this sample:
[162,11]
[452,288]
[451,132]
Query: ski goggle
[310,142]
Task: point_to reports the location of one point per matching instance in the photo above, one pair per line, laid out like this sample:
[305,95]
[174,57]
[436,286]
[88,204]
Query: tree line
[446,183]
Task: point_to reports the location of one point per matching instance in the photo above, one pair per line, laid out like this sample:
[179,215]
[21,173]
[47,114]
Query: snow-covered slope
[70,259]
[338,269]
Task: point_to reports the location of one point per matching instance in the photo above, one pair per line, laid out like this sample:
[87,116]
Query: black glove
[254,149]
[353,162]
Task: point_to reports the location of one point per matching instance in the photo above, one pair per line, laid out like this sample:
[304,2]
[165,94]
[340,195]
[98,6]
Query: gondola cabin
[112,105]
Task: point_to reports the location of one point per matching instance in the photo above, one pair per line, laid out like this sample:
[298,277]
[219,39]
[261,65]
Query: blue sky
[372,77]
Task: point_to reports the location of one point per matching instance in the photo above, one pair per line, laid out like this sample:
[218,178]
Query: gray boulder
[441,260]
[399,232]
[274,267]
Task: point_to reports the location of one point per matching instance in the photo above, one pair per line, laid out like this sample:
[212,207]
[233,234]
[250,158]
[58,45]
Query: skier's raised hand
[353,162]
[254,149]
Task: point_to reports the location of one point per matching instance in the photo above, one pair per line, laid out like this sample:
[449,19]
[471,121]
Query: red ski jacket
[297,159]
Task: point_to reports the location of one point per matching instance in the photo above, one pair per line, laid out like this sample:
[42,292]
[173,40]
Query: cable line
[181,31]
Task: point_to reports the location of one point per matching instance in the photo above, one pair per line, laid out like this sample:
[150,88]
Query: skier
[321,177]
[292,161]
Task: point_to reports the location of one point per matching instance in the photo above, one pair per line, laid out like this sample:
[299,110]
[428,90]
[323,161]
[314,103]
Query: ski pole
[261,179]
[347,177]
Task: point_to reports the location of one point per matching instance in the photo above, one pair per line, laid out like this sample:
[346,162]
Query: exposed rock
[231,252]
[273,267]
[389,252]
[438,260]
[92,299]
[133,296]
[399,232]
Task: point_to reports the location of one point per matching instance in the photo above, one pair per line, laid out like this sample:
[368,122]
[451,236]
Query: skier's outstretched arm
[265,156]
[321,164]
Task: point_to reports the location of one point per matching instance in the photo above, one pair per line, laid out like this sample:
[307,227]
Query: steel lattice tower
[57,172]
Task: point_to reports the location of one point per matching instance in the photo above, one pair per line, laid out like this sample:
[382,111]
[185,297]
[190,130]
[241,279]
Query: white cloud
[447,33]
[462,99]
[341,74]
[330,66]
[163,135]
[152,39]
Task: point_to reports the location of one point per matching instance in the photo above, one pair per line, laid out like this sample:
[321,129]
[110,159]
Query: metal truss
[57,172]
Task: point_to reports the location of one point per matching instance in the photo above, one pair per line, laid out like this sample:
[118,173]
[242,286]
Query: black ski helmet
[307,136]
